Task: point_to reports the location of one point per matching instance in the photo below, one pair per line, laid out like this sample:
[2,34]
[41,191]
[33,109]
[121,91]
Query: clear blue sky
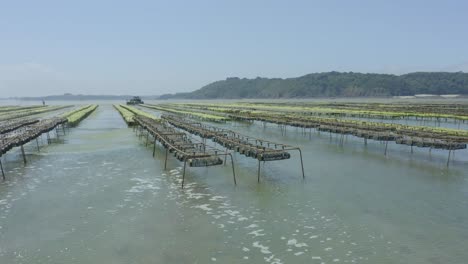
[156,47]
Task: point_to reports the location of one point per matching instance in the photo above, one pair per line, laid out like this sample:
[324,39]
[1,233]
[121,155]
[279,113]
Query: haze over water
[100,197]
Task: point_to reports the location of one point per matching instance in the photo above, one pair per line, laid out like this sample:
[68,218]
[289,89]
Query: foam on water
[228,217]
[263,249]
[144,185]
[256,233]
[293,242]
[204,207]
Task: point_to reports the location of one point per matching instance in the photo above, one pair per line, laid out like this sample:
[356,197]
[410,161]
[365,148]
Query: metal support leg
[1,166]
[37,144]
[448,159]
[24,155]
[154,147]
[233,172]
[225,157]
[165,160]
[386,144]
[183,173]
[48,138]
[258,176]
[302,164]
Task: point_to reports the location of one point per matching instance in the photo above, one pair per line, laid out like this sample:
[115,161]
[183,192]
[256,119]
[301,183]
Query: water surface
[98,196]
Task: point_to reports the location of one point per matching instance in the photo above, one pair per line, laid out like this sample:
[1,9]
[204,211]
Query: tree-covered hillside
[334,84]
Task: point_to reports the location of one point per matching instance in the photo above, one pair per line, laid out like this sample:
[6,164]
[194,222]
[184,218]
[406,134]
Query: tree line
[333,84]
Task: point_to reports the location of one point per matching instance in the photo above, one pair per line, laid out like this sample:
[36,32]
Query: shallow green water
[99,196]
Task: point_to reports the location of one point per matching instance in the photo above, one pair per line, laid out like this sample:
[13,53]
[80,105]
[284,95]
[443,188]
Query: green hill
[334,84]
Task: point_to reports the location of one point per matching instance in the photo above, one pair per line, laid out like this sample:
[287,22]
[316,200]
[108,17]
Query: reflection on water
[100,197]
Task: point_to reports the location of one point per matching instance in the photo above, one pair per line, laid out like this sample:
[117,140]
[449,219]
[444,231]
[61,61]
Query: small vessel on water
[135,100]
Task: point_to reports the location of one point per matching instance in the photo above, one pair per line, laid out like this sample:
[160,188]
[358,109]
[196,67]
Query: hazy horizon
[149,95]
[154,48]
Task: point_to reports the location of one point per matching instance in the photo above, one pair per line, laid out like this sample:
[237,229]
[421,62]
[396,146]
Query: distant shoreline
[78,97]
[125,97]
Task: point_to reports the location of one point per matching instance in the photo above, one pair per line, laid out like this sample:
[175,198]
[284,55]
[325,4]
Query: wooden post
[48,138]
[154,147]
[24,155]
[386,144]
[1,166]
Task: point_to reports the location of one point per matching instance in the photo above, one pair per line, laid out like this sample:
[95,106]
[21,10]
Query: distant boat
[135,100]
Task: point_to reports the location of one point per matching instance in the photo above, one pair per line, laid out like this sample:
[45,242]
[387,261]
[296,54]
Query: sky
[158,47]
